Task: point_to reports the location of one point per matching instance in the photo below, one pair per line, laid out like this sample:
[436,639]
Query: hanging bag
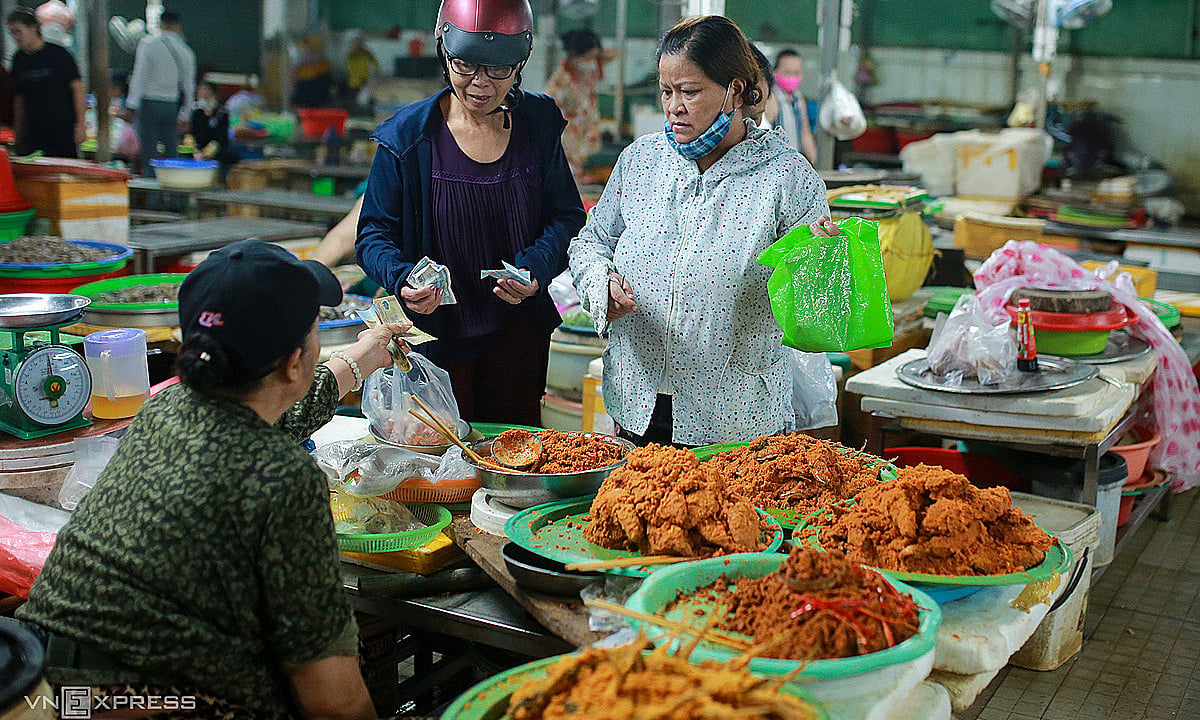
[829,293]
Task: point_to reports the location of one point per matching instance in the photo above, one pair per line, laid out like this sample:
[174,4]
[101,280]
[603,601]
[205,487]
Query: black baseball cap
[257,300]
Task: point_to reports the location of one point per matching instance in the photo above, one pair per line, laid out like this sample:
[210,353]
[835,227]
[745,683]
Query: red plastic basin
[315,121]
[981,470]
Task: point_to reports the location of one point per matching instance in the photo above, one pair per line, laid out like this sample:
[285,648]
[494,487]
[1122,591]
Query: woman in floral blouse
[573,87]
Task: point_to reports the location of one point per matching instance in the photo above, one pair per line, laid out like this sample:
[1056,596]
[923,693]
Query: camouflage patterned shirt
[204,557]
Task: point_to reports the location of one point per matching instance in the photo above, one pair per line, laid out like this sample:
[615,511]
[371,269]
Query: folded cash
[426,273]
[392,312]
[509,272]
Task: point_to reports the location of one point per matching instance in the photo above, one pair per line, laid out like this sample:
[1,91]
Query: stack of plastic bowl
[15,211]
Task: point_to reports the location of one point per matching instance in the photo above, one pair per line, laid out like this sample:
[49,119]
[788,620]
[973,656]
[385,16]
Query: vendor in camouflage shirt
[204,562]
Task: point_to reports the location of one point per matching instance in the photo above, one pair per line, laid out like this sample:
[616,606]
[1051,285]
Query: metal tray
[1054,373]
[1120,347]
[23,310]
[113,317]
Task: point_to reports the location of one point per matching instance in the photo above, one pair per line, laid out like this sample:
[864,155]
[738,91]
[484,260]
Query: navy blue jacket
[395,228]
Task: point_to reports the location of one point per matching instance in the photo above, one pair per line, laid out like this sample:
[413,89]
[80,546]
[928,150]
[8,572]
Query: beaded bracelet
[358,378]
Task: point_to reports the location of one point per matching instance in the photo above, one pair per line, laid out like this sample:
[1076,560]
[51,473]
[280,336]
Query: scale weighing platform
[44,386]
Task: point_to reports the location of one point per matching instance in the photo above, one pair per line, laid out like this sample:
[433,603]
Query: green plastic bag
[828,293]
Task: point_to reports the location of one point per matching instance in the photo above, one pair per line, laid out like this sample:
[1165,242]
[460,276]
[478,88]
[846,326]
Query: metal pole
[829,13]
[97,31]
[619,84]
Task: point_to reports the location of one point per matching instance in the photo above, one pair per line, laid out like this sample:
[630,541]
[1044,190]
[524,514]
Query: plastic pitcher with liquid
[120,375]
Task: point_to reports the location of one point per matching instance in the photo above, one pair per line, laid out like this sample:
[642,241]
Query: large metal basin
[524,490]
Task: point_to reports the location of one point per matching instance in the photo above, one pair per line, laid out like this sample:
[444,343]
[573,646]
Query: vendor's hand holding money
[423,301]
[620,297]
[371,350]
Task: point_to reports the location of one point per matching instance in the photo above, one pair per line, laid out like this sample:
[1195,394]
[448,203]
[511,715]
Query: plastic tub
[13,224]
[981,470]
[1136,454]
[833,680]
[63,284]
[1060,634]
[561,414]
[315,121]
[567,366]
[1065,482]
[185,174]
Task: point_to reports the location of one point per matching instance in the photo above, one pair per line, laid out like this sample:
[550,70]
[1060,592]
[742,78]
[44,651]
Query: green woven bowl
[435,517]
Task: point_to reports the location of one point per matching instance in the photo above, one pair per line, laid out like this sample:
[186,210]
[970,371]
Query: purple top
[482,213]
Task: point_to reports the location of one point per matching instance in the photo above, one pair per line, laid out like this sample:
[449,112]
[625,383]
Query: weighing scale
[44,386]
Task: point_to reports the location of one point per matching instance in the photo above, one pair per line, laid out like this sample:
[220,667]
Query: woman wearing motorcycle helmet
[472,177]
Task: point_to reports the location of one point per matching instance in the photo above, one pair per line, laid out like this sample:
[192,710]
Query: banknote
[428,273]
[509,272]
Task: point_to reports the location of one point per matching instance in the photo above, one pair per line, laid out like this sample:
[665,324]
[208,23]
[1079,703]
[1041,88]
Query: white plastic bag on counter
[364,468]
[814,389]
[91,457]
[840,113]
[965,344]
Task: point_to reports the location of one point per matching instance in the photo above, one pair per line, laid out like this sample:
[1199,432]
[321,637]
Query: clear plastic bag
[353,514]
[368,469]
[454,466]
[840,114]
[388,397]
[965,344]
[814,389]
[91,457]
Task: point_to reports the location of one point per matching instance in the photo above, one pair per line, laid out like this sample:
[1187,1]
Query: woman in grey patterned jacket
[667,261]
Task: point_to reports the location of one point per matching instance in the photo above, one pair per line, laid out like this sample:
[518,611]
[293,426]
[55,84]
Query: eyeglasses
[495,72]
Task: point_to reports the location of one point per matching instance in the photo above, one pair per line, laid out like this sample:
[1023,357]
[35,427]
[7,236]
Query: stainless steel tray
[115,317]
[1121,347]
[1054,373]
[23,310]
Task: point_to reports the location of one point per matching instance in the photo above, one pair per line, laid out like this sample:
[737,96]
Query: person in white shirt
[161,89]
[667,262]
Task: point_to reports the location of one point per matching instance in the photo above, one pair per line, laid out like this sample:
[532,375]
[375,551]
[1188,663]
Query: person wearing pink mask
[793,110]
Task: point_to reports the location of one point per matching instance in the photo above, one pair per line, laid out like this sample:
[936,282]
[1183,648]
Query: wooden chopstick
[676,627]
[433,424]
[592,565]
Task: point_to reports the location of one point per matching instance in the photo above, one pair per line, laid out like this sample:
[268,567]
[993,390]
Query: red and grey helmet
[486,32]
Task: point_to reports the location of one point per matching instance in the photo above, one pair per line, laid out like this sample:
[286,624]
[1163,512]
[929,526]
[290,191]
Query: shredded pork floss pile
[664,502]
[931,520]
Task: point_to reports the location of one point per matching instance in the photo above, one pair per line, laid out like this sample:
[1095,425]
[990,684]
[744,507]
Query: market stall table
[318,207]
[148,194]
[152,241]
[344,177]
[1081,422]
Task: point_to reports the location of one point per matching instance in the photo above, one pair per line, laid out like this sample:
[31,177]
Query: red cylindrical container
[1026,343]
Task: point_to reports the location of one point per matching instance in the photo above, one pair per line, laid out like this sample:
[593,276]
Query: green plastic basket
[489,699]
[1169,314]
[12,225]
[680,581]
[119,258]
[435,517]
[94,290]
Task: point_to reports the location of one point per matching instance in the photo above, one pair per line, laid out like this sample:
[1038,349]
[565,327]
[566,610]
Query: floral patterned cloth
[575,93]
[1175,397]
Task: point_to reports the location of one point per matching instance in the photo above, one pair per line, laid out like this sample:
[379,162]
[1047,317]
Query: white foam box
[1060,635]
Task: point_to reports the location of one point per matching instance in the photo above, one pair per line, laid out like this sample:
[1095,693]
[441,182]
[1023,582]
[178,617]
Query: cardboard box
[80,208]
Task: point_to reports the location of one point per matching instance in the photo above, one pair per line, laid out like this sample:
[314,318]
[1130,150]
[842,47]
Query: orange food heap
[662,501]
[564,452]
[796,472]
[931,520]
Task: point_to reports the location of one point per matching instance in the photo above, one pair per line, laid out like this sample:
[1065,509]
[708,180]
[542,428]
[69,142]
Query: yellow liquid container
[122,406]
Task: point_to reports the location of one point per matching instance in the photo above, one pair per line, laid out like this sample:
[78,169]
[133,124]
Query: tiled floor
[1141,652]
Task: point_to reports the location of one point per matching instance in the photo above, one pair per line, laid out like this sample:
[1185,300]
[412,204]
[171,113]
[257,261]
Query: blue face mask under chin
[708,140]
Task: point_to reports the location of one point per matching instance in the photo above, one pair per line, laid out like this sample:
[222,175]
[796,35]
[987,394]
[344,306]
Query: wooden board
[1000,434]
[1121,397]
[566,618]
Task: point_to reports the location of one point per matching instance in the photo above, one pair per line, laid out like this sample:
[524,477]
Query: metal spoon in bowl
[517,449]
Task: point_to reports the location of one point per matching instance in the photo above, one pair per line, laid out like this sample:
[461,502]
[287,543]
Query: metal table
[1174,238]
[151,241]
[143,188]
[326,208]
[345,177]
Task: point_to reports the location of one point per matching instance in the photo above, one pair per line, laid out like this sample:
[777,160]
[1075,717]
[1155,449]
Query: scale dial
[52,385]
